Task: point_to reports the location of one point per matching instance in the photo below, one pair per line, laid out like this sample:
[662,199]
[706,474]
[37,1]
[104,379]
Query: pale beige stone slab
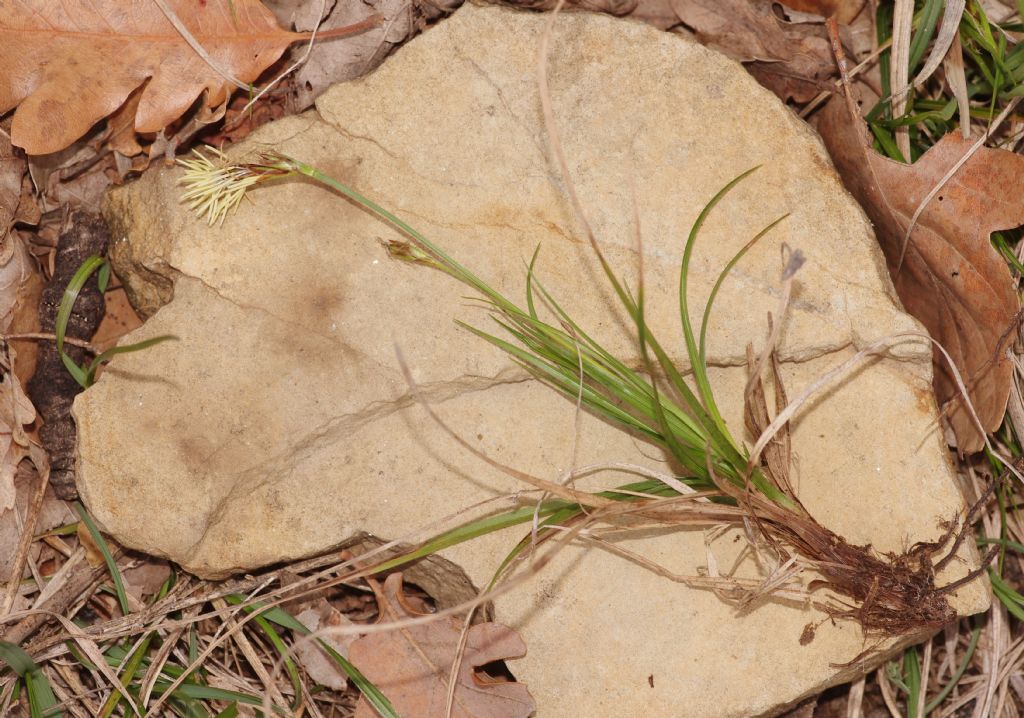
[279,424]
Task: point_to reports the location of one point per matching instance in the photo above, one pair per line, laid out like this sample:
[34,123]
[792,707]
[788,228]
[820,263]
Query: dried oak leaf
[410,665]
[68,65]
[951,279]
[21,287]
[793,60]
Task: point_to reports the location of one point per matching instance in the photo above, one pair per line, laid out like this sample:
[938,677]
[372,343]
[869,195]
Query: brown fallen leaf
[313,659]
[334,62]
[410,665]
[145,578]
[842,10]
[119,318]
[21,287]
[793,60]
[68,65]
[951,278]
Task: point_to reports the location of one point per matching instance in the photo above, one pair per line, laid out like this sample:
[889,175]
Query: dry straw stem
[42,472]
[899,69]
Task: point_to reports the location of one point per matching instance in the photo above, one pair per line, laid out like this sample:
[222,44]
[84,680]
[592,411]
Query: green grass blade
[929,20]
[1005,543]
[67,303]
[700,374]
[18,661]
[130,669]
[1011,599]
[702,344]
[115,573]
[209,693]
[103,278]
[282,650]
[90,372]
[529,283]
[912,680]
[955,678]
[513,517]
[370,692]
[41,699]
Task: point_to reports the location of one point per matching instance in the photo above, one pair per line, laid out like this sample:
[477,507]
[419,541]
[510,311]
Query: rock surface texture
[279,424]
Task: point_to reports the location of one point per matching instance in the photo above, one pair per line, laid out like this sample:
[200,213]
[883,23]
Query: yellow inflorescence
[214,185]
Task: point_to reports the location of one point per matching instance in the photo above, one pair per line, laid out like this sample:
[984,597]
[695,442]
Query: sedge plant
[887,595]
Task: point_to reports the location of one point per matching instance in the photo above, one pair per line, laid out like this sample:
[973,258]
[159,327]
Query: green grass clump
[886,595]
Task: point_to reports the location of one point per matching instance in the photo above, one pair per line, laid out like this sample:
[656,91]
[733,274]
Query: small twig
[43,336]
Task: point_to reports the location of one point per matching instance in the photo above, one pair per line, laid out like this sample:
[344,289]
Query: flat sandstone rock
[279,425]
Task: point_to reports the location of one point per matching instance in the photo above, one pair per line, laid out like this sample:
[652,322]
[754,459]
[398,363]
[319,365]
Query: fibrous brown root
[887,594]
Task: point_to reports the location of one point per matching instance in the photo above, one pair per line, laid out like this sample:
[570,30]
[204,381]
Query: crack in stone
[295,321]
[246,483]
[404,162]
[482,74]
[328,432]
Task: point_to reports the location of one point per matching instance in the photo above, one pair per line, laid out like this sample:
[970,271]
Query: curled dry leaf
[21,287]
[951,278]
[68,65]
[793,60]
[12,170]
[18,274]
[411,665]
[334,62]
[16,412]
[313,659]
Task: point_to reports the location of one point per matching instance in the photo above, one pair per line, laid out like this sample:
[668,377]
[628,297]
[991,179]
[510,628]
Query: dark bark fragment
[53,389]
